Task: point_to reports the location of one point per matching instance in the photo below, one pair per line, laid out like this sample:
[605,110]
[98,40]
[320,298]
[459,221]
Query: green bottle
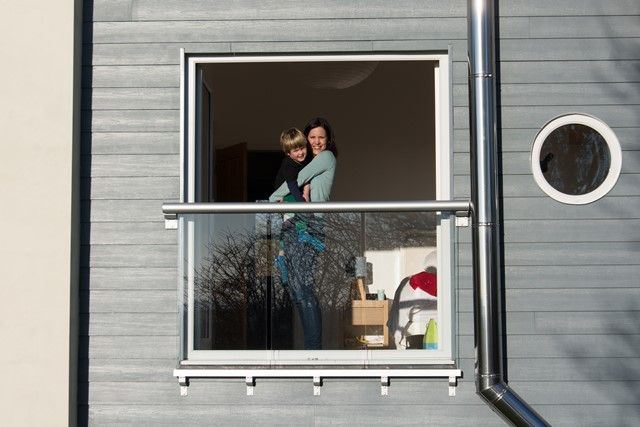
[430,340]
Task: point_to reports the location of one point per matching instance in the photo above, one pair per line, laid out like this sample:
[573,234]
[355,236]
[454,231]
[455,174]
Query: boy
[294,145]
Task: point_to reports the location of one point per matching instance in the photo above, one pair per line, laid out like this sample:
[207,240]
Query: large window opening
[368,287]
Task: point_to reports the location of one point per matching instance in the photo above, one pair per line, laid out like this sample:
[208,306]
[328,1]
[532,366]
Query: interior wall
[384,126]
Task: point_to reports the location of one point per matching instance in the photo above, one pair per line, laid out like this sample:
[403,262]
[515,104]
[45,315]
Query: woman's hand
[306,192]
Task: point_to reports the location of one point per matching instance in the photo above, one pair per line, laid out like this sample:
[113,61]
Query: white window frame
[445,231]
[614,149]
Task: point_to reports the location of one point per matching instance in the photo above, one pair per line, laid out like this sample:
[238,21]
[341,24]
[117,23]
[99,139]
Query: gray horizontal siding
[471,415]
[565,345]
[585,322]
[146,54]
[122,210]
[194,31]
[561,71]
[525,117]
[251,10]
[525,186]
[569,230]
[572,274]
[298,392]
[563,277]
[546,208]
[142,165]
[209,10]
[522,139]
[567,369]
[132,120]
[125,370]
[163,278]
[584,49]
[112,10]
[133,76]
[623,301]
[131,99]
[127,323]
[282,30]
[578,94]
[130,301]
[569,49]
[156,188]
[128,347]
[130,256]
[574,253]
[336,392]
[130,143]
[128,233]
[520,163]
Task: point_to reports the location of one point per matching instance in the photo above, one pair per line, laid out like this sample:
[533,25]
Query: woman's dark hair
[321,122]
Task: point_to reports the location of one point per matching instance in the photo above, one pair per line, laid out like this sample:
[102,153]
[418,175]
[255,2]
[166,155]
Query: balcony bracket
[184,385]
[453,384]
[317,384]
[384,386]
[251,385]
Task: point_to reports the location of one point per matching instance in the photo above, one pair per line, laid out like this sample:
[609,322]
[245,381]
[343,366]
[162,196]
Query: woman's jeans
[300,259]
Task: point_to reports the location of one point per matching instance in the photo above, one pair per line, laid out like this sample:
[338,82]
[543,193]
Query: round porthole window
[576,159]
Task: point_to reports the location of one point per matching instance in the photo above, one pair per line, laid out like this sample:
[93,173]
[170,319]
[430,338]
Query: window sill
[317,373]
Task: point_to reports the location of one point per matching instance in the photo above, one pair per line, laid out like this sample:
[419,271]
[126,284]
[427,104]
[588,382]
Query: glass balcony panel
[336,281]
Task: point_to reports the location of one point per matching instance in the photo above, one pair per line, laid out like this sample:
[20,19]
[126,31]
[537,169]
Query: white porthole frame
[614,148]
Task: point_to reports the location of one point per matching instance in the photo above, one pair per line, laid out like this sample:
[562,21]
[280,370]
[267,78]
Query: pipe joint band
[484,224]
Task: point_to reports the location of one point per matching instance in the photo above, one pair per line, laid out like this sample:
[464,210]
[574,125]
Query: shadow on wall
[82,397]
[609,355]
[616,358]
[623,48]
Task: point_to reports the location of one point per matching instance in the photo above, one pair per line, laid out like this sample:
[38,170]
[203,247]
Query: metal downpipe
[490,383]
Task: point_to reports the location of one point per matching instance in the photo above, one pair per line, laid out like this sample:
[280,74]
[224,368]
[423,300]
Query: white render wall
[39,112]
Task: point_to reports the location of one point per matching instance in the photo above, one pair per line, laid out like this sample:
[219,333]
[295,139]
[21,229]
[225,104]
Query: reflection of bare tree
[222,286]
[237,286]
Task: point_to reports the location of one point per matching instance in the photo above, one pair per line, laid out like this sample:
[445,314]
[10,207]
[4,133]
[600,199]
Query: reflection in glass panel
[575,159]
[332,281]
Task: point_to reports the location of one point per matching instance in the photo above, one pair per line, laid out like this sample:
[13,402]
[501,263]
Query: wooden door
[231,173]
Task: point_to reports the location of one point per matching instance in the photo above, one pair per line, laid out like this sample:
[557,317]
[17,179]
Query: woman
[321,170]
[302,246]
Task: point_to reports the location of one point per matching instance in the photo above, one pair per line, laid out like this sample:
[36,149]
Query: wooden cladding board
[210,10]
[571,272]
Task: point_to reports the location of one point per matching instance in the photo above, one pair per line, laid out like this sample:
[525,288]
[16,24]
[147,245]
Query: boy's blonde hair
[291,139]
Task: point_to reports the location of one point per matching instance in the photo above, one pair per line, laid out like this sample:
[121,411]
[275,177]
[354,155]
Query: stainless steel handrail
[171,210]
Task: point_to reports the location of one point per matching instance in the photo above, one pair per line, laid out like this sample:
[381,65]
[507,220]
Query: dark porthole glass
[575,159]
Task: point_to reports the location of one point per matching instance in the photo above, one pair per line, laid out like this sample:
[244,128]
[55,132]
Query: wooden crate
[371,313]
